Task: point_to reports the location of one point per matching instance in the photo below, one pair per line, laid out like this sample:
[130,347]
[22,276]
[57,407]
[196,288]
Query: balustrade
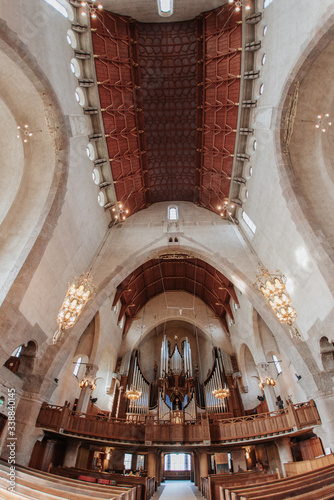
[204,430]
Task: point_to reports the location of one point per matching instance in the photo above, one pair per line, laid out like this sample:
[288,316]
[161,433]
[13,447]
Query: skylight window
[165,7]
[59,7]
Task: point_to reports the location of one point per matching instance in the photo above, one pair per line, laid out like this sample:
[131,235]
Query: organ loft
[176,393]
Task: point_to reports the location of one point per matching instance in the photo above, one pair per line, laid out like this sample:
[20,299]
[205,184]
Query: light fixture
[133,394]
[87,383]
[238,4]
[24,133]
[272,286]
[271,381]
[323,122]
[221,393]
[92,8]
[78,294]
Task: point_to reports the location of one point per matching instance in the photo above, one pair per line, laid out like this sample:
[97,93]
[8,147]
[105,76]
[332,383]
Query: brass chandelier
[133,394]
[78,294]
[221,393]
[272,285]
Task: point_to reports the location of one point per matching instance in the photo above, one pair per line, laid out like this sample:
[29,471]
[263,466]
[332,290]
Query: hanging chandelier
[221,393]
[78,294]
[238,4]
[272,286]
[133,394]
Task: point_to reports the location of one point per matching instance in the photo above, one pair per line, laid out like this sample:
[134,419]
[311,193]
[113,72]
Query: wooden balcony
[205,431]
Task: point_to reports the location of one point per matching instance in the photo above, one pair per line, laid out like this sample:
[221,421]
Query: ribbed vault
[169,97]
[190,275]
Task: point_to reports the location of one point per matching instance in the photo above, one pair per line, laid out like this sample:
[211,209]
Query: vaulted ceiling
[169,97]
[187,274]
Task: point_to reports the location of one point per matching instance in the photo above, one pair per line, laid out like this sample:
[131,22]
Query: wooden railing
[204,430]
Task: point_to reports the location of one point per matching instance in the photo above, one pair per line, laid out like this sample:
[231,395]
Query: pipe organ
[141,384]
[216,380]
[175,394]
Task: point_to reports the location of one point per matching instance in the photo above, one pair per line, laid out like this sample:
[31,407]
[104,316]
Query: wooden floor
[177,490]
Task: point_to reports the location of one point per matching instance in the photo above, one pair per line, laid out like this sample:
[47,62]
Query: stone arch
[34,218]
[300,211]
[327,353]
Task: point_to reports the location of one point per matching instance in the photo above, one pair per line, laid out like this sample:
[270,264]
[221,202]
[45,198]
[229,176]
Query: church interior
[167,244]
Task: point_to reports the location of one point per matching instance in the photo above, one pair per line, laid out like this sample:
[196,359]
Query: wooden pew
[283,488]
[42,484]
[145,485]
[210,489]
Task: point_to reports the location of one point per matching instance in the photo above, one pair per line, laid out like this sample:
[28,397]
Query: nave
[177,490]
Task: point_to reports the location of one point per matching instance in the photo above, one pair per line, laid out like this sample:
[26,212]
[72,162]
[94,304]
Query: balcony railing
[203,431]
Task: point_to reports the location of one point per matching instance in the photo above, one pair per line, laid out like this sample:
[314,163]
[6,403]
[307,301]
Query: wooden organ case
[176,395]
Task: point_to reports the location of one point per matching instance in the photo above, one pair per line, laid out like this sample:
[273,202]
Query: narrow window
[17,352]
[173,213]
[127,461]
[77,366]
[58,6]
[277,364]
[249,222]
[165,7]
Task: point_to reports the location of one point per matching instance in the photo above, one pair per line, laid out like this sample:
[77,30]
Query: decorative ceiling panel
[169,97]
[190,275]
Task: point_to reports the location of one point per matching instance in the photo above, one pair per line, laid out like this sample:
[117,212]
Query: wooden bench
[210,489]
[145,485]
[42,485]
[283,488]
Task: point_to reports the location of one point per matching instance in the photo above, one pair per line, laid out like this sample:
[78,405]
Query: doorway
[177,466]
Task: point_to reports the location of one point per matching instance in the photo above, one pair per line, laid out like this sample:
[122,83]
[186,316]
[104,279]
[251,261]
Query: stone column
[284,450]
[71,452]
[26,414]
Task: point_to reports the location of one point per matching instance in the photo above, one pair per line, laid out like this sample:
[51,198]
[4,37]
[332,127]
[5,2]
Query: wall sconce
[87,383]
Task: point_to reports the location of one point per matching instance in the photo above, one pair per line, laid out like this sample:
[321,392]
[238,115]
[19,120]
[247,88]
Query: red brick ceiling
[169,96]
[190,275]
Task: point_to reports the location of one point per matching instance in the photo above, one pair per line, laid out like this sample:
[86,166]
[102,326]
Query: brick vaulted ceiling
[169,97]
[189,274]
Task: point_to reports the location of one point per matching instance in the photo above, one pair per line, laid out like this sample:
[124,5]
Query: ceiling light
[322,122]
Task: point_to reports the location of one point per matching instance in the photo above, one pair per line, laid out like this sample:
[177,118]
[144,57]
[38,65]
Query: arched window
[77,367]
[173,213]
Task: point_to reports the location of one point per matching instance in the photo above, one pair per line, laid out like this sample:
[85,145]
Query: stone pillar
[25,432]
[284,450]
[71,452]
[325,407]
